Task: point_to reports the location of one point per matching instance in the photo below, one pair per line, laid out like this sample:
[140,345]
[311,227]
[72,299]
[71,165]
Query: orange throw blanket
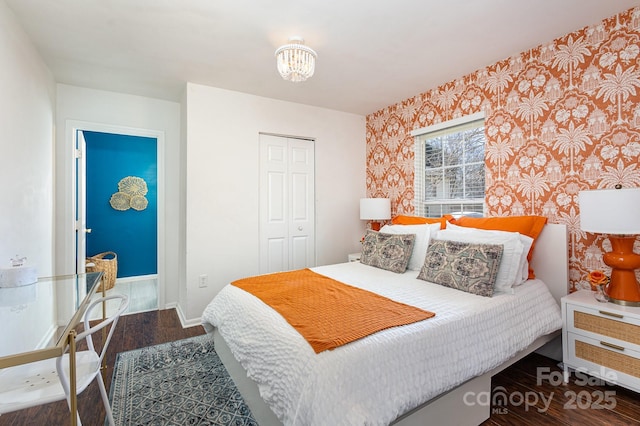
[328,313]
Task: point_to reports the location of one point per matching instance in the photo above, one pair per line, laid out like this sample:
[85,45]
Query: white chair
[46,381]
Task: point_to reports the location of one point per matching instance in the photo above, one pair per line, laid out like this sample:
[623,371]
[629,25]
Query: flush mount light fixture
[296,62]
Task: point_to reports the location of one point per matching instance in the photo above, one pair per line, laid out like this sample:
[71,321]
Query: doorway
[118,208]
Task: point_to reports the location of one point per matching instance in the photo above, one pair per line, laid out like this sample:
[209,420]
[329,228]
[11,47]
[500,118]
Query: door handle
[87,230]
[299,228]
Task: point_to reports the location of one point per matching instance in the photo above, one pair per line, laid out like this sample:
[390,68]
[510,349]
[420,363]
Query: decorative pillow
[524,239]
[423,234]
[509,270]
[419,220]
[387,251]
[464,266]
[527,225]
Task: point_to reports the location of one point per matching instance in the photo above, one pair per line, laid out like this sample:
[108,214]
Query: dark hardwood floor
[528,402]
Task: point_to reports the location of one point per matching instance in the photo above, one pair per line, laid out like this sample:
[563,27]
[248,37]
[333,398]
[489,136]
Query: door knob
[87,230]
[299,228]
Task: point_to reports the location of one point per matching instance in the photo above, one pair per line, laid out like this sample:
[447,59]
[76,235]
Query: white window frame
[420,137]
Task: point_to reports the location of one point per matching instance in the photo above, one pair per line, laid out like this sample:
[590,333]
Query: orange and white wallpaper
[560,118]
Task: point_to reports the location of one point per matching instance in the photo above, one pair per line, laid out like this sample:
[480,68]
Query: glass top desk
[38,320]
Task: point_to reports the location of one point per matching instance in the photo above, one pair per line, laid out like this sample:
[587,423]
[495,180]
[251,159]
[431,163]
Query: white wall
[222,129]
[127,111]
[26,139]
[26,175]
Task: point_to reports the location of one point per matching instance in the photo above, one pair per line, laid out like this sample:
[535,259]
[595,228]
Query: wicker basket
[108,267]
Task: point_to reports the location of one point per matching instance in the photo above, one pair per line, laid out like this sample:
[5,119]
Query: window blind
[449,168]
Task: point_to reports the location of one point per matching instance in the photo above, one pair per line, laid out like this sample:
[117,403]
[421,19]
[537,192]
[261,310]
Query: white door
[81,204]
[287,204]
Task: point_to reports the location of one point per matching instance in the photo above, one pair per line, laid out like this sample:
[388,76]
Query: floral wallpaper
[560,118]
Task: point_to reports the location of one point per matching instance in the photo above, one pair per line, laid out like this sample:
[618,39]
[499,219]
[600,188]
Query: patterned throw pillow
[469,267]
[387,251]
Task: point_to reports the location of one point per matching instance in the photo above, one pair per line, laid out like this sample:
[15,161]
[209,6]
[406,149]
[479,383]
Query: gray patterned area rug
[177,383]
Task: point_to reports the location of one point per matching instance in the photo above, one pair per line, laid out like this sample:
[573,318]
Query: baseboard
[137,278]
[184,321]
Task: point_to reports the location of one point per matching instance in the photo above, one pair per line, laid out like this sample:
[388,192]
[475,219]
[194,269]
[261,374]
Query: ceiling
[371,54]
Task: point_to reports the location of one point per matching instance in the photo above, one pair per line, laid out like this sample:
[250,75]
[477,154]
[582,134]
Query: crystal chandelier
[296,62]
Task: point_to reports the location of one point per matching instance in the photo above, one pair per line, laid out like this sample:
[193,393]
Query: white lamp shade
[375,208]
[610,211]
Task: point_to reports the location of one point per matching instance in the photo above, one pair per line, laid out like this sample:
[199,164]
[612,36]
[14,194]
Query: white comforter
[376,379]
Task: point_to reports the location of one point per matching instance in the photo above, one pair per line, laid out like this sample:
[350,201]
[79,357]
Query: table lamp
[375,209]
[616,212]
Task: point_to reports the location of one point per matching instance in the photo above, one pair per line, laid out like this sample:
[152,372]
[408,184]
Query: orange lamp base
[623,288]
[375,226]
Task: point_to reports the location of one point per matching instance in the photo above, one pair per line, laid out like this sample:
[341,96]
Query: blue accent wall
[131,234]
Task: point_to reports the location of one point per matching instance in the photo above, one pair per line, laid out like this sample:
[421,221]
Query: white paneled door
[287,203]
[81,202]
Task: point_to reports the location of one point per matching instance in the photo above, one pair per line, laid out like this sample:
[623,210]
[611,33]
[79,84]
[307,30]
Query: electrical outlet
[203,280]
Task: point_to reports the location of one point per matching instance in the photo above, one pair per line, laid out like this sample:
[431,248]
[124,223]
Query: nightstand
[354,257]
[601,339]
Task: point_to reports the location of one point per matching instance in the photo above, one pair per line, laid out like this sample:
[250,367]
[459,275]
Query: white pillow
[510,270]
[526,241]
[423,233]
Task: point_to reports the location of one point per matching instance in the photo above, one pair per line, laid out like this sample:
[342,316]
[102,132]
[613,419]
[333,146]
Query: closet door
[287,204]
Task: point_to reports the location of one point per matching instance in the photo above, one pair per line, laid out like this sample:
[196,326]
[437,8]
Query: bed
[428,372]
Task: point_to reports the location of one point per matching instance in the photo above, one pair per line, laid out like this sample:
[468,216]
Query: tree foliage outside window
[450,174]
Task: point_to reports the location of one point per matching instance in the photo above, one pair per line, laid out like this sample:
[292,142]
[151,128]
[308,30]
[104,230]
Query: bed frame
[550,262]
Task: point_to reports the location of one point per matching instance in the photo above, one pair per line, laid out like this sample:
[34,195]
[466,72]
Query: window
[449,168]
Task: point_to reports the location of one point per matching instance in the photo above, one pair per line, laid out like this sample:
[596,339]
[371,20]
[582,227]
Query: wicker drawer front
[608,358]
[617,329]
[603,359]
